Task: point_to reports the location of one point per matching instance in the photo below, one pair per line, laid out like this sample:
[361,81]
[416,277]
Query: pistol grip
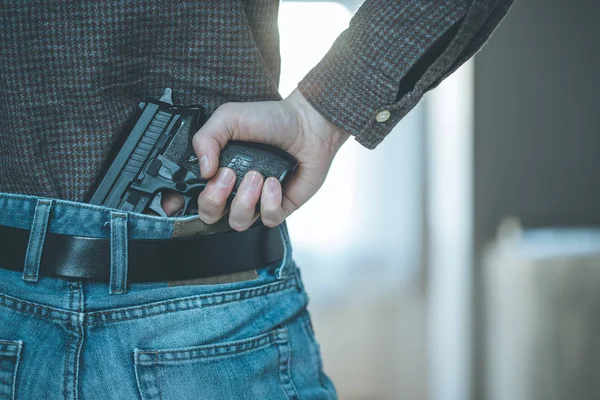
[268,160]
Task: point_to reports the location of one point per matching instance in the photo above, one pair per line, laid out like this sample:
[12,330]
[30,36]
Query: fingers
[262,122]
[271,212]
[242,214]
[212,200]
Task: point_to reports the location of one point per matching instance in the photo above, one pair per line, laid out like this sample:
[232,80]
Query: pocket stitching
[187,303]
[138,374]
[278,337]
[151,357]
[7,351]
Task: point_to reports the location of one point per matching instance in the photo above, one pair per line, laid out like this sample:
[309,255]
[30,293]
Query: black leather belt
[149,260]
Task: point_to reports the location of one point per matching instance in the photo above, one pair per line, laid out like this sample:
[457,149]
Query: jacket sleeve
[392,53]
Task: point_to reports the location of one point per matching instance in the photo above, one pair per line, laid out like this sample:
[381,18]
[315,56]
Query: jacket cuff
[357,98]
[357,85]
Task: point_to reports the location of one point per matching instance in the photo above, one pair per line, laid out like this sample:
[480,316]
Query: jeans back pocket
[253,368]
[10,353]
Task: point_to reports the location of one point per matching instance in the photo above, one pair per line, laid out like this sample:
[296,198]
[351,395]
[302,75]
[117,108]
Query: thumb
[269,122]
[212,137]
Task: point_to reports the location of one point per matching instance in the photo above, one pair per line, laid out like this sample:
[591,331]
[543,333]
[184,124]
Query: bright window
[367,216]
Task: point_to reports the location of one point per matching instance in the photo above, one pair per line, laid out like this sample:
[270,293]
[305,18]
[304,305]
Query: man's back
[72,72]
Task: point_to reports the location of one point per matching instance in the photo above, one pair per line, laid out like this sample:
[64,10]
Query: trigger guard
[156,205]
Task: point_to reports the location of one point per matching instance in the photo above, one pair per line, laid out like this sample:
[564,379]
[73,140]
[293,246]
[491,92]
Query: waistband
[42,215]
[81,219]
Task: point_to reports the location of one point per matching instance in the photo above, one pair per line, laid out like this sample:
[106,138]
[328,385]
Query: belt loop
[287,250]
[118,252]
[37,237]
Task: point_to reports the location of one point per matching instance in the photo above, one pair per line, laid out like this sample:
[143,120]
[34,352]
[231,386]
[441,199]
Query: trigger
[186,203]
[156,205]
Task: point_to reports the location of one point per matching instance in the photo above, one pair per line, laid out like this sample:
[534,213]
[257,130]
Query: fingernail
[204,165]
[226,175]
[254,180]
[271,186]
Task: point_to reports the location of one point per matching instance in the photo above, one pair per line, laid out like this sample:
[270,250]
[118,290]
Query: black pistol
[157,155]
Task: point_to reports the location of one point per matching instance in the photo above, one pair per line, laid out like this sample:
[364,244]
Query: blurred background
[461,258]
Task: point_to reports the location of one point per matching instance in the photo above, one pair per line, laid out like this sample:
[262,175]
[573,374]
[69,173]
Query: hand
[292,125]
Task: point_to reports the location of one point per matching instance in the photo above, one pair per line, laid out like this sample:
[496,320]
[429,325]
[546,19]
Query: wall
[537,141]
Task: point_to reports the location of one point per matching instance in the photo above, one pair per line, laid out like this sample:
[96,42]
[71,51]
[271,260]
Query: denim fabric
[62,339]
[33,256]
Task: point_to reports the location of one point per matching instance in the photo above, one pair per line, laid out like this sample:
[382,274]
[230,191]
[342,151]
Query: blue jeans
[69,339]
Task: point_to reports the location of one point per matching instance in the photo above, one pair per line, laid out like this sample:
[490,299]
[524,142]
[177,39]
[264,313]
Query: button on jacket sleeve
[392,53]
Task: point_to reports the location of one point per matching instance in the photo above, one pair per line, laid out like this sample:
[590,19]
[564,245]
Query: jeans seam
[102,317]
[138,377]
[80,337]
[9,343]
[66,366]
[239,346]
[122,319]
[17,357]
[156,372]
[308,330]
[36,306]
[285,364]
[65,316]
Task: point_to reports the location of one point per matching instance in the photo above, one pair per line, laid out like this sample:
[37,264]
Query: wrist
[312,122]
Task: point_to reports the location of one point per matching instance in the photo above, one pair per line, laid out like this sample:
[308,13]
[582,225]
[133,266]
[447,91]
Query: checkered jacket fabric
[71,71]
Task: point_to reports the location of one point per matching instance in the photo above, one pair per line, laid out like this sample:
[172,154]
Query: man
[89,305]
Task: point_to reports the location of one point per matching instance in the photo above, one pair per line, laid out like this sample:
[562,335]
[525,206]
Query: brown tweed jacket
[71,71]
